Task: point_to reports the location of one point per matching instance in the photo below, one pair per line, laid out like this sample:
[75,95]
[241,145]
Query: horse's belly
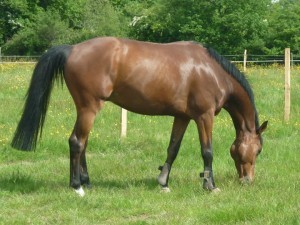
[134,101]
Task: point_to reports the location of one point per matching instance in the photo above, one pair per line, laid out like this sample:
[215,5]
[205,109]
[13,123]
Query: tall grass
[34,185]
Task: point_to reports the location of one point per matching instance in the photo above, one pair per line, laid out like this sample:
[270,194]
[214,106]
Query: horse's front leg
[179,127]
[205,125]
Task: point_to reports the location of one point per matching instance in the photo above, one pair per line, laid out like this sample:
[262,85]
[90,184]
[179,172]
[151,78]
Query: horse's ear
[262,128]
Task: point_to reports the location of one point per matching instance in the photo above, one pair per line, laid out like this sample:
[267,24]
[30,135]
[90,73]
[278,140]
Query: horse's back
[155,77]
[144,77]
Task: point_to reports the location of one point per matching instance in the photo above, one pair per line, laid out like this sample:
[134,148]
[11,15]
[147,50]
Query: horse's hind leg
[78,143]
[179,127]
[84,175]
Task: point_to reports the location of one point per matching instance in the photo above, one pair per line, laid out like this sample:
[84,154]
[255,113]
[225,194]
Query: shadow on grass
[146,183]
[18,183]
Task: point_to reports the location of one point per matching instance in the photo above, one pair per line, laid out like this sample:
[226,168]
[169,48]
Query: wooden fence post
[123,123]
[245,60]
[287,85]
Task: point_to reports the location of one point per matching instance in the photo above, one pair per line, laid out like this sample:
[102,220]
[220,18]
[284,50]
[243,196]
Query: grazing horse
[185,80]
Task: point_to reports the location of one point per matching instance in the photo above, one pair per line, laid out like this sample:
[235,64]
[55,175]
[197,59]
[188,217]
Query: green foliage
[99,18]
[70,10]
[65,22]
[47,30]
[284,24]
[261,27]
[14,15]
[229,26]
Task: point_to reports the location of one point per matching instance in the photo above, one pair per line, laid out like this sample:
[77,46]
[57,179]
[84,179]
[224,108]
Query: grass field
[34,185]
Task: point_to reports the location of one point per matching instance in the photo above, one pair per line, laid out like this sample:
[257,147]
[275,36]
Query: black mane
[237,75]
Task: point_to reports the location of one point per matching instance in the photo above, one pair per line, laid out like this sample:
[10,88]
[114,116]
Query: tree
[100,18]
[228,26]
[284,27]
[265,26]
[47,30]
[13,17]
[69,10]
[56,22]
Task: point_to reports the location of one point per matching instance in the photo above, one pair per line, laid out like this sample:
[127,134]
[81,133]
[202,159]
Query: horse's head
[244,152]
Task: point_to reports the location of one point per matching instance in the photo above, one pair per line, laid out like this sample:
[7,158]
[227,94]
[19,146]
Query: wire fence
[251,59]
[262,59]
[246,59]
[19,59]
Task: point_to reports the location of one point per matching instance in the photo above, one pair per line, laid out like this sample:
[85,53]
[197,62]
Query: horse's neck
[242,112]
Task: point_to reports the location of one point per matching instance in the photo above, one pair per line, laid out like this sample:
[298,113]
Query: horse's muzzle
[246,180]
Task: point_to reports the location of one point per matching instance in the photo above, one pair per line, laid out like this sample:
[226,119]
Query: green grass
[34,185]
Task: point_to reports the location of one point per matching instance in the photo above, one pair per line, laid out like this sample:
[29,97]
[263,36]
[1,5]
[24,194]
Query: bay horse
[186,80]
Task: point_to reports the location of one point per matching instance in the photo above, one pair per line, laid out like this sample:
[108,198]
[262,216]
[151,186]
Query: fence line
[30,62]
[288,59]
[18,58]
[238,58]
[235,61]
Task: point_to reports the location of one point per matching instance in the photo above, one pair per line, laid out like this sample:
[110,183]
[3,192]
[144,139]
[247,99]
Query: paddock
[33,186]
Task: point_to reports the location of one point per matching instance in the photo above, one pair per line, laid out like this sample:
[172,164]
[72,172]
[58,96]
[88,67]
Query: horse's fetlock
[163,177]
[208,179]
[208,184]
[75,184]
[84,179]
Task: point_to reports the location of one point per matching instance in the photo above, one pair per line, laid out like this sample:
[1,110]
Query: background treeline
[29,27]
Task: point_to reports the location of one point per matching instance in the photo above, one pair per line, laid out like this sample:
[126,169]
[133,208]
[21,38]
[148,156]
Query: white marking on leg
[216,190]
[80,191]
[165,190]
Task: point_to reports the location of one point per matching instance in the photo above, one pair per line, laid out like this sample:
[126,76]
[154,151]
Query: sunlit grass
[34,185]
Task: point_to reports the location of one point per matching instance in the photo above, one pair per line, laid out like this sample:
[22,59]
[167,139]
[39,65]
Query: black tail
[49,68]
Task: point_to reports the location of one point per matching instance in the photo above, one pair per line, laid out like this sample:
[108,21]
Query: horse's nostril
[246,180]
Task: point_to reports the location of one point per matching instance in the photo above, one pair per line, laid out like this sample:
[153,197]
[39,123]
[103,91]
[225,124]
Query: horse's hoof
[80,192]
[165,190]
[215,190]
